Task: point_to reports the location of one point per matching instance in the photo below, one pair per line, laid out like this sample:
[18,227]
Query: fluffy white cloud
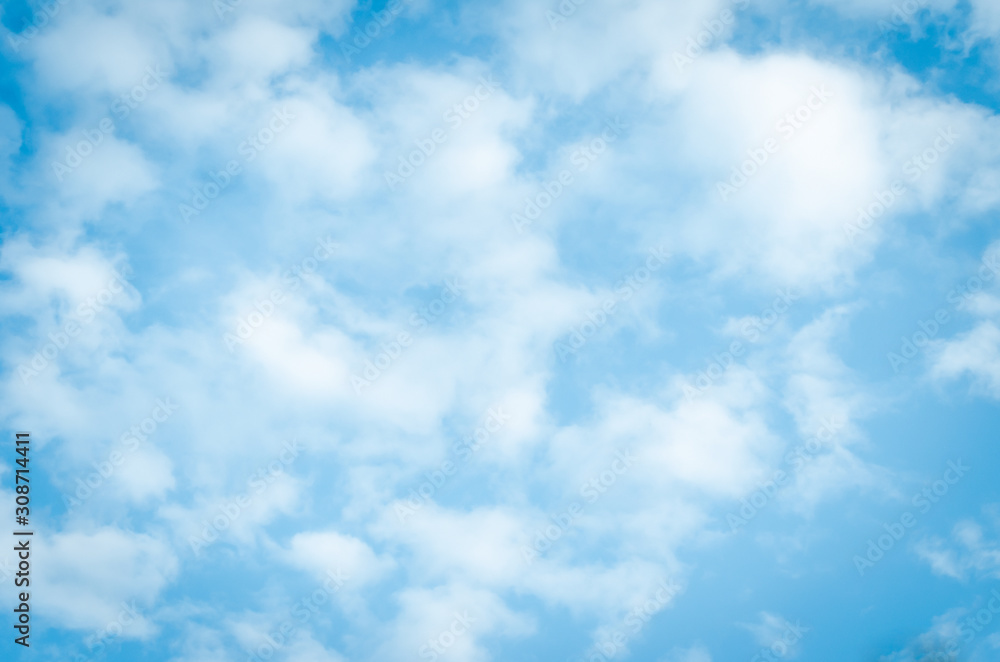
[715,442]
[986,17]
[968,553]
[84,579]
[556,46]
[793,166]
[451,621]
[975,353]
[320,552]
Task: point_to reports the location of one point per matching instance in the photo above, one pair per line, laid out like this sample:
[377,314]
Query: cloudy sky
[516,330]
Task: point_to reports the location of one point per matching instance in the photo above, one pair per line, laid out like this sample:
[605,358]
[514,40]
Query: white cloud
[242,49]
[986,17]
[322,152]
[975,353]
[556,52]
[714,442]
[450,620]
[853,136]
[481,546]
[968,553]
[320,552]
[88,50]
[941,639]
[84,578]
[238,517]
[116,171]
[146,474]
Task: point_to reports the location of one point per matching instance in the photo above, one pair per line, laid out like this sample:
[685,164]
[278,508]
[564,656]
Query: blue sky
[662,331]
